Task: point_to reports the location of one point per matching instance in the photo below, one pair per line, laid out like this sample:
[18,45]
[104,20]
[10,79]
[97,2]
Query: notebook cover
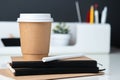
[20,58]
[54,70]
[42,71]
[54,64]
[7,73]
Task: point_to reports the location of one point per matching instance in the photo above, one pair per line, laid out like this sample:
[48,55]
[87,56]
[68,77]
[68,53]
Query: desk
[110,62]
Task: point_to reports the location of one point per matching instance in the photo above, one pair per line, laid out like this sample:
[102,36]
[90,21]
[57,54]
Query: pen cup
[34,35]
[93,38]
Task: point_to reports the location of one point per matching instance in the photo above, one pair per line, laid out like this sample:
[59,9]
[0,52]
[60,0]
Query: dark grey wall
[114,19]
[62,10]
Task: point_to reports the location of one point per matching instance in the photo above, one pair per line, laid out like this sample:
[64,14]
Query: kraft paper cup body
[35,32]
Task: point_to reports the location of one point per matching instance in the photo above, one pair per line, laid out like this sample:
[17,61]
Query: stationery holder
[93,38]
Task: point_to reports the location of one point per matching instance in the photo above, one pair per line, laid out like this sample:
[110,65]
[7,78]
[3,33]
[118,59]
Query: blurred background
[63,11]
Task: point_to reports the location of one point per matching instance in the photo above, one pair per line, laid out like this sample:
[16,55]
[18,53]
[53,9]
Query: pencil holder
[93,38]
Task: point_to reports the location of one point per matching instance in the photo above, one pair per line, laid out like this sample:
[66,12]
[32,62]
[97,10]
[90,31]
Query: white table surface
[110,62]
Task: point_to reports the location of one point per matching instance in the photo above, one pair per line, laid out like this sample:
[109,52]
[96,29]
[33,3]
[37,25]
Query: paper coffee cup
[35,35]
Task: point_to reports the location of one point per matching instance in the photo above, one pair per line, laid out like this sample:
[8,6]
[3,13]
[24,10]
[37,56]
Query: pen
[91,15]
[96,16]
[104,15]
[96,13]
[78,10]
[59,57]
[88,17]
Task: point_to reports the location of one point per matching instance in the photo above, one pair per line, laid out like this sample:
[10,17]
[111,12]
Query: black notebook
[55,70]
[52,64]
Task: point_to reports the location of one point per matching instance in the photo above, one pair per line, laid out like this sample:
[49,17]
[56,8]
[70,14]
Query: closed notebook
[55,70]
[52,64]
[19,62]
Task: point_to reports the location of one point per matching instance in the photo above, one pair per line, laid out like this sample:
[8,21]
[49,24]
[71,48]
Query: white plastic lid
[35,17]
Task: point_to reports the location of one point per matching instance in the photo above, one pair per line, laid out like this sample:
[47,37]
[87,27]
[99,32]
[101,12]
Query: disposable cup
[35,32]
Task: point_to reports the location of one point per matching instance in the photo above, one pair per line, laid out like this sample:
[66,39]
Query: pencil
[91,15]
